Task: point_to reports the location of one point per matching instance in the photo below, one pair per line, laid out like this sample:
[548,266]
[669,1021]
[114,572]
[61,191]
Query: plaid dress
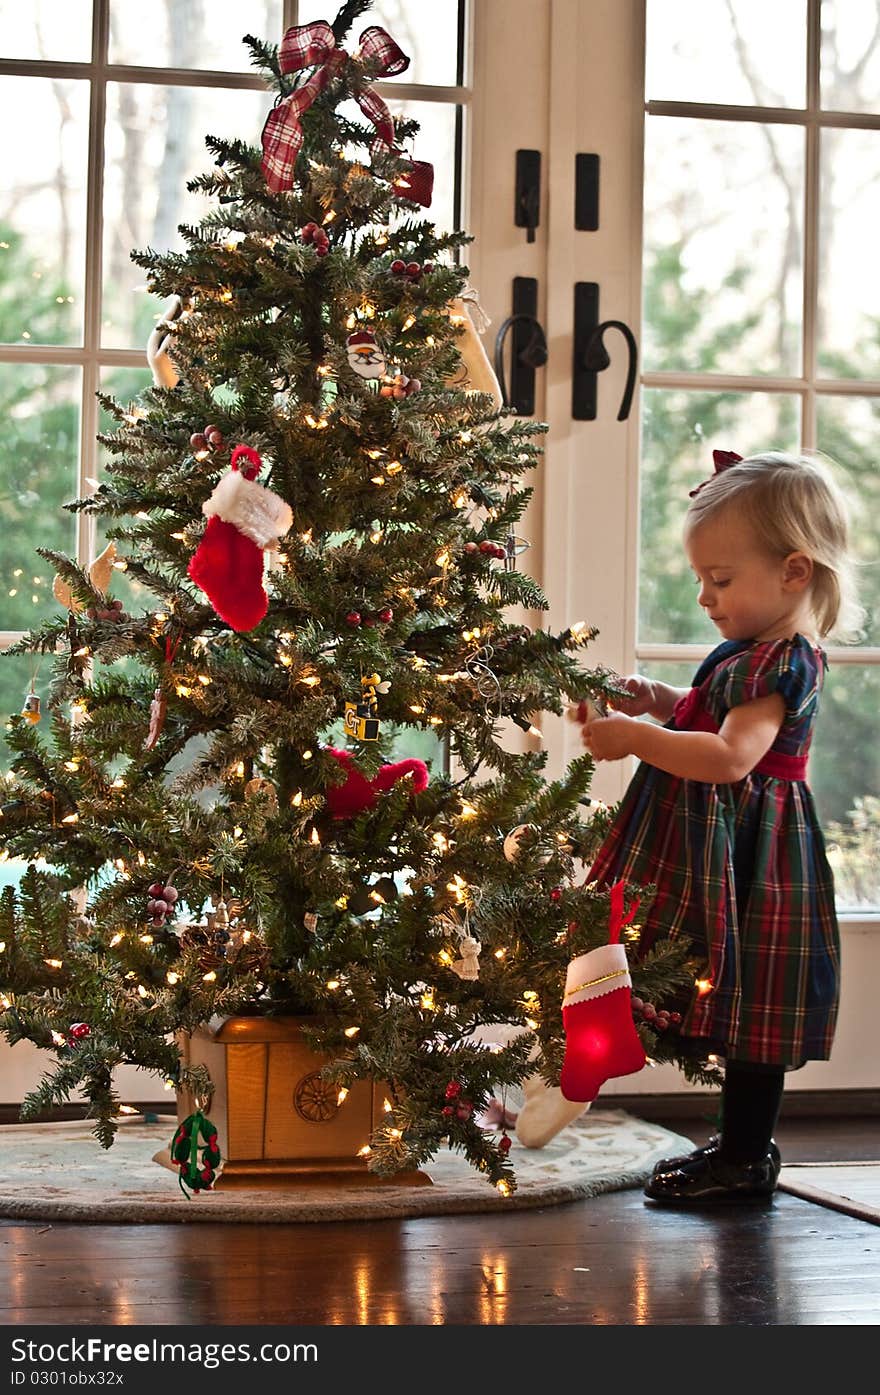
[740,869]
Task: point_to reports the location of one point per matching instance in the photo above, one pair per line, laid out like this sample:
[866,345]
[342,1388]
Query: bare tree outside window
[152,142]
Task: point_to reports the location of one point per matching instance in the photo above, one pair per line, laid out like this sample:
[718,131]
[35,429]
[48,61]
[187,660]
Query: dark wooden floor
[610,1260]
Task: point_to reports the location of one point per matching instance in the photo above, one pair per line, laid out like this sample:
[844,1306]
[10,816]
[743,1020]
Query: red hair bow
[722,460]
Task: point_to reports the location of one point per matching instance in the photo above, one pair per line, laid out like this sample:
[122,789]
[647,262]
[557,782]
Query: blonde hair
[793,504]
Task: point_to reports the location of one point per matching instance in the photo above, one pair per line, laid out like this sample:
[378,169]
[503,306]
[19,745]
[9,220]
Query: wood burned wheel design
[314,1099]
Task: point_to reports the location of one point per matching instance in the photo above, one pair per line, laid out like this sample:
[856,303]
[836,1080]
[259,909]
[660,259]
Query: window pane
[850,56]
[849,296]
[124,384]
[434,142]
[723,249]
[428,34]
[677,674]
[18,673]
[43,209]
[679,432]
[39,447]
[59,29]
[155,143]
[845,776]
[848,429]
[736,52]
[191,33]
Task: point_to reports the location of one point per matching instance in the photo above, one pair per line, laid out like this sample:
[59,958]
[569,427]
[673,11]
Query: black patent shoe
[709,1181]
[711,1149]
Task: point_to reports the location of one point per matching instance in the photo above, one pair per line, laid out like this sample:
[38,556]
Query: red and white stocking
[601,1040]
[244,518]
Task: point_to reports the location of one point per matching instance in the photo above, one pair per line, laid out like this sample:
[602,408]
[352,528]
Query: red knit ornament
[416,182]
[600,1037]
[358,793]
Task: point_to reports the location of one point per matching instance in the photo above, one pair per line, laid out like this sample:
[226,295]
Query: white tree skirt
[59,1172]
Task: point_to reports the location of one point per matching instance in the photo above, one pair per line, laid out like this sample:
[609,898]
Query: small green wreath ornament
[198,1161]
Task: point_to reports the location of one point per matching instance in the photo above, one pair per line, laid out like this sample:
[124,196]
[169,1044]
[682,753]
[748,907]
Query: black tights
[750,1107]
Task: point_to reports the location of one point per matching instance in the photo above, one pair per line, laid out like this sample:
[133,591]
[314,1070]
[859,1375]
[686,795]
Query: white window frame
[90,356]
[807,386]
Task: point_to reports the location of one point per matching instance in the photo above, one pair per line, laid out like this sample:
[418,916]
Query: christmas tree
[225,812]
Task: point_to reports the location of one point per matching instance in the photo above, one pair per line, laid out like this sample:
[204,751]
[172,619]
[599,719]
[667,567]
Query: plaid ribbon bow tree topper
[314,45]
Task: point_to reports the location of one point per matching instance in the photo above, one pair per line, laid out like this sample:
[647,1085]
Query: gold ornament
[100,573]
[258,788]
[31,710]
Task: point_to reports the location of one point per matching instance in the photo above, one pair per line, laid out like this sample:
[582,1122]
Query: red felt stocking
[358,793]
[243,519]
[600,1037]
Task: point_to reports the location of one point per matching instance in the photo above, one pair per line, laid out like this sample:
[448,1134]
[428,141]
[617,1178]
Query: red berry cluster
[112,611]
[401,387]
[315,235]
[413,271]
[459,1107]
[487,547]
[161,903]
[209,439]
[355,618]
[659,1020]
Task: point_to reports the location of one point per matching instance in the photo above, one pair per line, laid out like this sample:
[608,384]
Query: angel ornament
[158,709]
[468,966]
[218,918]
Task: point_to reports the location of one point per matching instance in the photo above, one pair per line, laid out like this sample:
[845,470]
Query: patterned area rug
[58,1172]
[852,1187]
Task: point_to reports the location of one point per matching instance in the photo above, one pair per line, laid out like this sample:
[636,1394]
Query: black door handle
[529,348]
[591,357]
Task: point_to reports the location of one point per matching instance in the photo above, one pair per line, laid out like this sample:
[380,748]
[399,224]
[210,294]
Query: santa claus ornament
[600,1036]
[364,354]
[244,518]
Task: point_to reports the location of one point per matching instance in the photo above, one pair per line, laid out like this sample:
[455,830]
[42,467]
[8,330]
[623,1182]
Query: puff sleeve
[790,667]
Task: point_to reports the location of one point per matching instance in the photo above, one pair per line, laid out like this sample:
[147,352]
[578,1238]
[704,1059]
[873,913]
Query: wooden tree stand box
[278,1123]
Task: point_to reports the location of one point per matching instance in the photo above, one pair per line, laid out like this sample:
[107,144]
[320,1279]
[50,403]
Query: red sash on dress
[689,714]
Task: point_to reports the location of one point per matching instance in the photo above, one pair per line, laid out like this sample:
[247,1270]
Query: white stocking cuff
[253,509]
[592,975]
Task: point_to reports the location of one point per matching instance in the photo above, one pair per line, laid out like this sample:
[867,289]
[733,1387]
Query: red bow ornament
[314,46]
[722,460]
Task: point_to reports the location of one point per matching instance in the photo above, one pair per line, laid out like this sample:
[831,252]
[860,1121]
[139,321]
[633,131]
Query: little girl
[719,815]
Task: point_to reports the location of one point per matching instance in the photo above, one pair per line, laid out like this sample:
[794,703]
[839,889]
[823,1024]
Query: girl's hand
[643,699]
[610,738]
